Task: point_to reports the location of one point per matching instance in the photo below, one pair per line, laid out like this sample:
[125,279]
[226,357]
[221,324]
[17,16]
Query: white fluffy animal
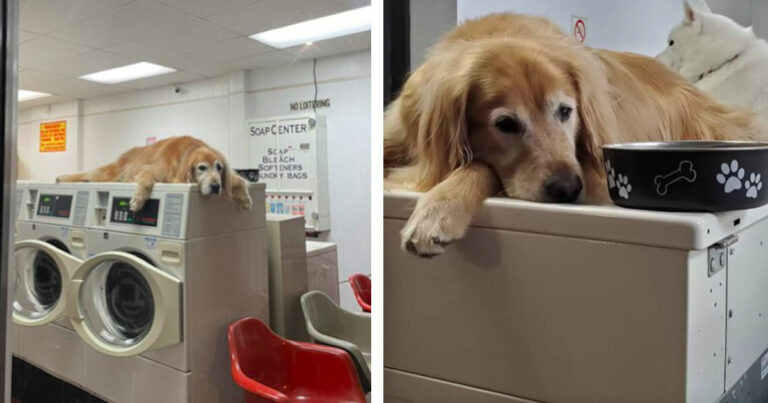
[720,57]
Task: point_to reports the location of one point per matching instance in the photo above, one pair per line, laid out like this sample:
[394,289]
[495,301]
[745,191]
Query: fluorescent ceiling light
[331,26]
[127,73]
[26,95]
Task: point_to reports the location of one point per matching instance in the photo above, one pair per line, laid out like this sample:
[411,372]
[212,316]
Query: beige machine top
[173,210]
[675,230]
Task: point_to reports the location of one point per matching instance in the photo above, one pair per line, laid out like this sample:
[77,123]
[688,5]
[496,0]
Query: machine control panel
[121,212]
[52,205]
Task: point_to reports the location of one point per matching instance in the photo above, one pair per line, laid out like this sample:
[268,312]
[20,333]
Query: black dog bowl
[687,175]
[251,175]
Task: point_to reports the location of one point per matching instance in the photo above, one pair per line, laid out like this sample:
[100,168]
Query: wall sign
[280,149]
[310,105]
[291,156]
[53,136]
[579,28]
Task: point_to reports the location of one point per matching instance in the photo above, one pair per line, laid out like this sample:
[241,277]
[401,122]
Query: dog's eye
[509,125]
[671,42]
[219,167]
[202,168]
[564,112]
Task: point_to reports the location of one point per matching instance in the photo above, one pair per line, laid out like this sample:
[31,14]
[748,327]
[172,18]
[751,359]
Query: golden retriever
[173,160]
[509,104]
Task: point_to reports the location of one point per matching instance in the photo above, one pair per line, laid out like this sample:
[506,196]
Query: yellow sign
[53,136]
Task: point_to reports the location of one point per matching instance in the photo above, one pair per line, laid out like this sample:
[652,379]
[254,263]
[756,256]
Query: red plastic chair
[361,285]
[272,369]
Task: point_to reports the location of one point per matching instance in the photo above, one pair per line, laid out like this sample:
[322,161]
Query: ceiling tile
[122,24]
[361,41]
[80,89]
[165,79]
[43,50]
[25,36]
[231,49]
[204,8]
[32,79]
[190,35]
[43,16]
[269,14]
[273,58]
[86,63]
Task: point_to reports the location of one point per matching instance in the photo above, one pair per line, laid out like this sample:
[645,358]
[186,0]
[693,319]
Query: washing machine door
[122,305]
[42,274]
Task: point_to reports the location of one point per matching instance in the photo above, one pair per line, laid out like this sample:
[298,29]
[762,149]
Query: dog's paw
[136,204]
[244,202]
[433,225]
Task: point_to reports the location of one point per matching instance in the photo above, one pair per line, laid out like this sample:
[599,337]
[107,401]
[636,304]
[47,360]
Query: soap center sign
[280,149]
[53,136]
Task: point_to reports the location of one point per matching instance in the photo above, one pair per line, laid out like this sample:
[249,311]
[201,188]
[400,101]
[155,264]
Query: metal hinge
[718,254]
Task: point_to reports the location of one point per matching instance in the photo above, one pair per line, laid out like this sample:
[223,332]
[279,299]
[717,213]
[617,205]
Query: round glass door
[117,303]
[122,305]
[41,273]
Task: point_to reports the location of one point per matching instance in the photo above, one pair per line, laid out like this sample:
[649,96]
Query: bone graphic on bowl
[685,171]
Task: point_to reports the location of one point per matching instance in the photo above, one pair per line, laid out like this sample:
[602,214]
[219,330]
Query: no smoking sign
[579,28]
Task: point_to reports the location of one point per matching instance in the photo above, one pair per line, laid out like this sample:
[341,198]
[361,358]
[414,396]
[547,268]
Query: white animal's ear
[694,8]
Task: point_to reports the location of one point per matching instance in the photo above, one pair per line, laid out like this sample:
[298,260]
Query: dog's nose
[563,188]
[215,188]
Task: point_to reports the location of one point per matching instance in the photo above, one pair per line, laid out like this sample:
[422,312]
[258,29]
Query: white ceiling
[61,40]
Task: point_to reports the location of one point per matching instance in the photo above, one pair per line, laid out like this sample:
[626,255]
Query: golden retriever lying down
[173,160]
[509,104]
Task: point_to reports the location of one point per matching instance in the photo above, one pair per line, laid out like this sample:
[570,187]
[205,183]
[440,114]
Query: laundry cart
[572,303]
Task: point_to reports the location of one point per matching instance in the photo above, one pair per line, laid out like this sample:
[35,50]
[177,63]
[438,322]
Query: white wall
[112,125]
[46,166]
[430,19]
[625,25]
[346,81]
[215,111]
[760,18]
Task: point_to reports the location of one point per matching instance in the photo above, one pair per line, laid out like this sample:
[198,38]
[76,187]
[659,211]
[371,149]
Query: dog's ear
[598,124]
[441,117]
[225,174]
[229,178]
[190,172]
[693,10]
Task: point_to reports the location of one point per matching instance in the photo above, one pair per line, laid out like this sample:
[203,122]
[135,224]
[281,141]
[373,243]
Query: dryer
[50,245]
[154,301]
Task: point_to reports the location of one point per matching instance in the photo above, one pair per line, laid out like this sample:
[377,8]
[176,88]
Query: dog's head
[703,41]
[531,112]
[208,169]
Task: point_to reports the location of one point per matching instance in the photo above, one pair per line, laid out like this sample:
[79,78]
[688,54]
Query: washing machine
[155,299]
[50,245]
[579,303]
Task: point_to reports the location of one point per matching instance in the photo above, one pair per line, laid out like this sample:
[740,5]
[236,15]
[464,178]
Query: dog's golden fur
[439,135]
[173,160]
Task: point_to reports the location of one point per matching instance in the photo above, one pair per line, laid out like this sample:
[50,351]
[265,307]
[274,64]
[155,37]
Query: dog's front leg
[145,181]
[238,191]
[443,214]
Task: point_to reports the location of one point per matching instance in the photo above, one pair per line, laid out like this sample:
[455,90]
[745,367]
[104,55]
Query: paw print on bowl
[624,186]
[753,185]
[610,173]
[731,176]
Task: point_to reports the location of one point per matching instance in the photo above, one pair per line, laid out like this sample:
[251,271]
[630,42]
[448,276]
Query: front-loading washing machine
[154,301]
[50,245]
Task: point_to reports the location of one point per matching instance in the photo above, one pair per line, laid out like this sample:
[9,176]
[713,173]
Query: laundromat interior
[248,257]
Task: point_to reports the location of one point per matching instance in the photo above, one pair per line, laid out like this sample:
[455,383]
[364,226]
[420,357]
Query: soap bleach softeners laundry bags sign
[290,153]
